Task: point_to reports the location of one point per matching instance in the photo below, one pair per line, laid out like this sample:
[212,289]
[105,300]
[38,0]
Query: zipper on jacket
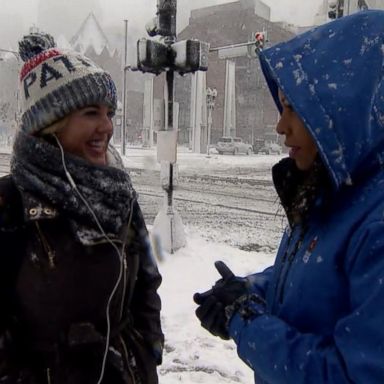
[126,355]
[47,248]
[124,285]
[284,274]
[49,379]
[287,261]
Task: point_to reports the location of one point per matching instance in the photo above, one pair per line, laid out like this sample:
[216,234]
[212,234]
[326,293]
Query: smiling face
[302,147]
[87,132]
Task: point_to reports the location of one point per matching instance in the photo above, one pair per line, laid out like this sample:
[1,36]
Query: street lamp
[124,95]
[211,97]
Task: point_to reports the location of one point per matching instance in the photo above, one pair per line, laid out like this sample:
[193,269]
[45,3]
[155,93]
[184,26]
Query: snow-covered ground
[189,162]
[191,354]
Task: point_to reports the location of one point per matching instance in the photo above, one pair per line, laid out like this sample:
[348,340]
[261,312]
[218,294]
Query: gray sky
[299,12]
[16,16]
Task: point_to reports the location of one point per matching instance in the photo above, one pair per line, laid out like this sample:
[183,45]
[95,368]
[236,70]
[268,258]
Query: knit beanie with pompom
[54,83]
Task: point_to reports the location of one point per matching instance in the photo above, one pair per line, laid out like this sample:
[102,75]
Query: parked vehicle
[271,149]
[257,145]
[234,145]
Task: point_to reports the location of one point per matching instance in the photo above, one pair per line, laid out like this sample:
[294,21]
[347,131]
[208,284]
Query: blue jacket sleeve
[354,353]
[259,281]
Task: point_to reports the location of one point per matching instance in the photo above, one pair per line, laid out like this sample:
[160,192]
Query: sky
[299,12]
[16,16]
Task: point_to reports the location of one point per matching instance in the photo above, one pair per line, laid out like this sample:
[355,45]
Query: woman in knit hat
[78,282]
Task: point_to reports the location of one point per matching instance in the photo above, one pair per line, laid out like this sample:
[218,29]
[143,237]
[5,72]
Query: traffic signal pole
[167,11]
[173,242]
[168,225]
[258,43]
[170,81]
[169,56]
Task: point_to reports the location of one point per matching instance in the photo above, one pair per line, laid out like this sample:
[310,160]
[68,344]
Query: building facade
[223,25]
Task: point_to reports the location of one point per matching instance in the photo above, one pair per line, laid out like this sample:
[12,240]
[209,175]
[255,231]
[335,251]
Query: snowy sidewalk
[191,354]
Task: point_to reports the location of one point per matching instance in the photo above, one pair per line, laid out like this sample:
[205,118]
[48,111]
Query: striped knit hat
[54,83]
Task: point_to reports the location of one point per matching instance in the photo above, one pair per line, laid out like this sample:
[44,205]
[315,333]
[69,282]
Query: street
[225,198]
[228,199]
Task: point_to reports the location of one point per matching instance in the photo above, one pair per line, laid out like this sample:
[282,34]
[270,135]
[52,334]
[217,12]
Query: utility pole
[174,235]
[124,125]
[169,56]
[11,120]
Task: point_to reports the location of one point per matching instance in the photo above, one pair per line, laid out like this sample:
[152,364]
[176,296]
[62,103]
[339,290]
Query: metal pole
[232,46]
[124,89]
[209,129]
[170,79]
[168,224]
[170,76]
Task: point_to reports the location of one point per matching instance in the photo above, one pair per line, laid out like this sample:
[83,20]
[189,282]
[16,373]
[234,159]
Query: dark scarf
[37,170]
[300,190]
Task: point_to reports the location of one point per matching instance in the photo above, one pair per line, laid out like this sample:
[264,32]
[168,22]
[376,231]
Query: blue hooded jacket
[324,319]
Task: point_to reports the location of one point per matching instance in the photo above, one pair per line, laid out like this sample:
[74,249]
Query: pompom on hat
[54,83]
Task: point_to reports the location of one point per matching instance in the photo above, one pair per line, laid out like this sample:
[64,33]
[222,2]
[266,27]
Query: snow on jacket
[54,292]
[325,293]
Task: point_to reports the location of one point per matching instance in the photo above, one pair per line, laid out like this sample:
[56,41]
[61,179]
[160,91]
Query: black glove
[226,290]
[212,303]
[211,314]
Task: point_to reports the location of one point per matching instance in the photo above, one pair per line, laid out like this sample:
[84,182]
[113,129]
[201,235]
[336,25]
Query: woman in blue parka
[317,315]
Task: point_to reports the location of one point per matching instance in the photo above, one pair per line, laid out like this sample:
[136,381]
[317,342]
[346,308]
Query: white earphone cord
[120,254]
